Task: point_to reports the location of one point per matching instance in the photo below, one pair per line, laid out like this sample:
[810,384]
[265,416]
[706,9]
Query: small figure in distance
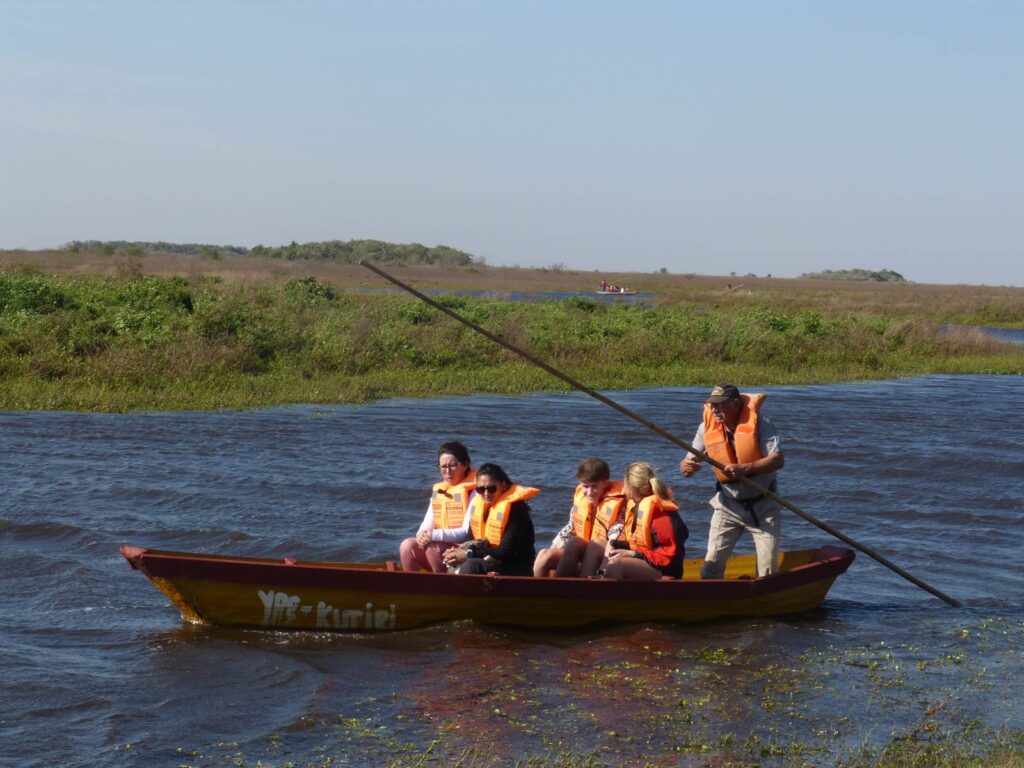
[735,434]
[655,535]
[597,506]
[446,523]
[501,527]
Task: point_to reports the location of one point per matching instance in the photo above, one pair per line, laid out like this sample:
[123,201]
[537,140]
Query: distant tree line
[138,247]
[350,251]
[867,275]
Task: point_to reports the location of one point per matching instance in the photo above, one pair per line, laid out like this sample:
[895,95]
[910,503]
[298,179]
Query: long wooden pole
[869,551]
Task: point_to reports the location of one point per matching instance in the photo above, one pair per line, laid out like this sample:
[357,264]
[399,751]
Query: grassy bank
[956,304]
[134,342]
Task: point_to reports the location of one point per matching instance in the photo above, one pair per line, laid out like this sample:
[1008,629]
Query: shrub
[34,294]
[811,323]
[416,312]
[308,292]
[584,303]
[218,315]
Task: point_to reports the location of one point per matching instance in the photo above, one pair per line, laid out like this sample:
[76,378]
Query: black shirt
[515,553]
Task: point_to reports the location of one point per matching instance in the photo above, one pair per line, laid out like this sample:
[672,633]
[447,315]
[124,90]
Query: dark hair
[456,449]
[593,470]
[494,471]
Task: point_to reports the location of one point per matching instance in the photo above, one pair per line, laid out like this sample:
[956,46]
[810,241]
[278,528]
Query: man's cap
[723,393]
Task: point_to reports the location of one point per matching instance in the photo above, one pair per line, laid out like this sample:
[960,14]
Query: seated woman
[597,505]
[501,527]
[447,520]
[654,532]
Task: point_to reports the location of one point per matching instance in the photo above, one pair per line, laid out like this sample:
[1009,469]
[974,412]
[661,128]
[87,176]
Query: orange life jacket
[449,502]
[489,523]
[639,517]
[747,446]
[592,521]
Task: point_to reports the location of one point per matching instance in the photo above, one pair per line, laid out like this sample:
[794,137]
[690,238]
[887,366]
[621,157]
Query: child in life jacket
[654,534]
[598,505]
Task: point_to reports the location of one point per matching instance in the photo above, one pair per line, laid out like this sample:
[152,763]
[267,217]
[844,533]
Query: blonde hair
[644,481]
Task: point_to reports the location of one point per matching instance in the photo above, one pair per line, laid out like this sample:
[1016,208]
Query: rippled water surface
[98,669]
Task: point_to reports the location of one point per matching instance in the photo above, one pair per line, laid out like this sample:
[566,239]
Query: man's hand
[690,465]
[736,471]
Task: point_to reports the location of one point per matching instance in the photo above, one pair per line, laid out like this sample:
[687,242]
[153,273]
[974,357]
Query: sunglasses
[481,489]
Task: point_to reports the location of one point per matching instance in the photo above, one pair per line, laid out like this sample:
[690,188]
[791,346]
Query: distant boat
[622,292]
[380,597]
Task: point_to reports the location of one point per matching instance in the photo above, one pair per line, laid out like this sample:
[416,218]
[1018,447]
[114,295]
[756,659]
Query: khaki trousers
[728,521]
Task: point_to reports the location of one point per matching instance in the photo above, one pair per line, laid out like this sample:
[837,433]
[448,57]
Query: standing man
[747,444]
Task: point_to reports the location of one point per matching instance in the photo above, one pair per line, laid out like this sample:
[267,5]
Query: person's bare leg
[570,562]
[631,569]
[547,559]
[592,558]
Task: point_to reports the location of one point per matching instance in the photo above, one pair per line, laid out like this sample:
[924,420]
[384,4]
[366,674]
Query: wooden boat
[363,597]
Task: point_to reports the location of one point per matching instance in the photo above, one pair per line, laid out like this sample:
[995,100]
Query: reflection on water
[926,470]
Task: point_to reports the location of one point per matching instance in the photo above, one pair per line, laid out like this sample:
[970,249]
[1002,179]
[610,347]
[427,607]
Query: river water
[97,669]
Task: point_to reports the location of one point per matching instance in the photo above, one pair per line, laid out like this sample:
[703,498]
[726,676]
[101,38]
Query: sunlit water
[97,668]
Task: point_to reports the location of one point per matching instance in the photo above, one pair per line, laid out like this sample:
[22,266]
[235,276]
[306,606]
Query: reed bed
[949,304]
[133,342]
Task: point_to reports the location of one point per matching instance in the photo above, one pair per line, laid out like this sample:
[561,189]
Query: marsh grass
[134,342]
[949,304]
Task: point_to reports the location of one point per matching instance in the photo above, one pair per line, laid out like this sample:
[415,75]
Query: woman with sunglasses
[501,526]
[655,534]
[447,520]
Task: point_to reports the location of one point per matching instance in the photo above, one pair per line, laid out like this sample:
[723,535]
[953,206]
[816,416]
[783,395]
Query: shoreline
[246,392]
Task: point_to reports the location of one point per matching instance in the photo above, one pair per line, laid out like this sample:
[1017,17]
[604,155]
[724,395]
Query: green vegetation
[147,342]
[347,252]
[138,248]
[354,251]
[882,276]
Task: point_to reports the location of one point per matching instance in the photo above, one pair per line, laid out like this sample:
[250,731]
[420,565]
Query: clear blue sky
[766,137]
